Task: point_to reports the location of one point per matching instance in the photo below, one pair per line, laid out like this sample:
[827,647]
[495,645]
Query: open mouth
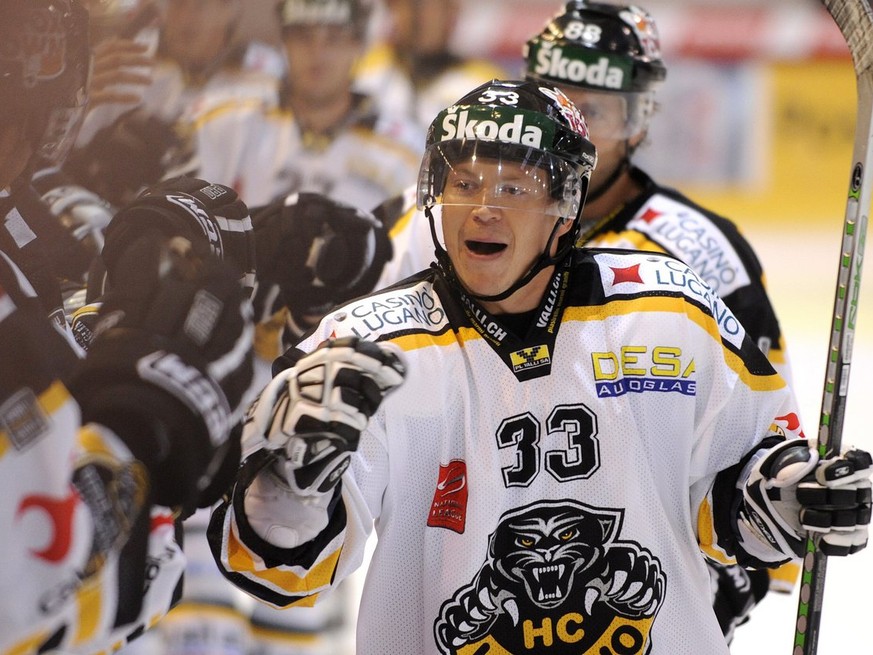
[485,247]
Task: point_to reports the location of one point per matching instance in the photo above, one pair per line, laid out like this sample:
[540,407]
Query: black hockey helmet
[352,13]
[534,126]
[45,63]
[599,46]
[603,48]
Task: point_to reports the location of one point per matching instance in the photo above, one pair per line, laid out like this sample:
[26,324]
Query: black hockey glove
[315,253]
[312,414]
[172,373]
[791,494]
[210,216]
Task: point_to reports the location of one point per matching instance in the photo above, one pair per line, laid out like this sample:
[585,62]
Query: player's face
[607,117]
[495,225]
[195,32]
[320,60]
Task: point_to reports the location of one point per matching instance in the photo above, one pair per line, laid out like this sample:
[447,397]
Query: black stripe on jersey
[750,304]
[273,556]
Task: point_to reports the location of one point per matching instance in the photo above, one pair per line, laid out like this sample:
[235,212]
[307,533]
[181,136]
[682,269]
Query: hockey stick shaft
[855,20]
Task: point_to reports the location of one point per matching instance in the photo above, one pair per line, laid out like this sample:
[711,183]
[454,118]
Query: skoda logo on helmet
[491,124]
[579,67]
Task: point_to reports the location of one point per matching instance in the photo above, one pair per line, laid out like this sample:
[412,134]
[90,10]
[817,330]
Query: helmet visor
[613,115]
[498,175]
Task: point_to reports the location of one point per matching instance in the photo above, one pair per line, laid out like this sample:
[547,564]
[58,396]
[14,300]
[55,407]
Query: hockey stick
[855,20]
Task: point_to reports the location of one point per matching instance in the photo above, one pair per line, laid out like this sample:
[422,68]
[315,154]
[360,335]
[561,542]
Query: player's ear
[565,224]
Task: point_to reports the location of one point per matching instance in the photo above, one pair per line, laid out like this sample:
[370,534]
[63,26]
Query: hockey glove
[172,374]
[315,253]
[210,216]
[312,414]
[791,494]
[81,211]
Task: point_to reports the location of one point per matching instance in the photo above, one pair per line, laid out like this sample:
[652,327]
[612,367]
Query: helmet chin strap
[606,185]
[545,260]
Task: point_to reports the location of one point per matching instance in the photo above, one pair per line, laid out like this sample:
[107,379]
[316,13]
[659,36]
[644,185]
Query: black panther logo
[556,579]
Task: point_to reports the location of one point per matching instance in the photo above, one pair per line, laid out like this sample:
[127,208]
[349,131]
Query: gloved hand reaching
[791,494]
[170,366]
[314,253]
[312,415]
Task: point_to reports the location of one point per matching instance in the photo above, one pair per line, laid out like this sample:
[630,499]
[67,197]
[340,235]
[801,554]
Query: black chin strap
[444,262]
[606,185]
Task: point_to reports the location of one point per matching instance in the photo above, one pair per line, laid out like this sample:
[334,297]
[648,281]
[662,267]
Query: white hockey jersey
[249,73]
[544,493]
[265,155]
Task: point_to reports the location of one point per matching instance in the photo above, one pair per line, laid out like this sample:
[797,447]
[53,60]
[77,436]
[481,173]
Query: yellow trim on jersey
[402,222]
[50,401]
[188,609]
[94,443]
[268,336]
[231,106]
[388,143]
[28,645]
[286,637]
[377,57]
[706,535]
[665,304]
[638,240]
[784,578]
[89,600]
[319,576]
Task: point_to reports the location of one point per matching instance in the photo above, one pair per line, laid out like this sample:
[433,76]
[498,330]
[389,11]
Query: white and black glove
[792,494]
[81,211]
[211,216]
[312,415]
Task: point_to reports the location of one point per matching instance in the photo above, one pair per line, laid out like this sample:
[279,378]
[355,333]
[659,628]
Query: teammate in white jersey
[415,68]
[324,138]
[97,454]
[607,59]
[195,60]
[574,429]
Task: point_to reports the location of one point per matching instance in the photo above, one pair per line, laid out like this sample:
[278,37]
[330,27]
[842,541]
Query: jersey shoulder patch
[693,236]
[409,307]
[645,275]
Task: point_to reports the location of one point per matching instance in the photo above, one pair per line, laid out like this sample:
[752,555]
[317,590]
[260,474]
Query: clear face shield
[458,173]
[613,115]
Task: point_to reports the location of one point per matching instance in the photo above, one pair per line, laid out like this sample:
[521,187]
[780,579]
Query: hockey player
[575,427]
[97,454]
[325,138]
[606,58]
[581,50]
[196,62]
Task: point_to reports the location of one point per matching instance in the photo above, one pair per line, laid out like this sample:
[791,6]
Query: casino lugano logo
[557,578]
